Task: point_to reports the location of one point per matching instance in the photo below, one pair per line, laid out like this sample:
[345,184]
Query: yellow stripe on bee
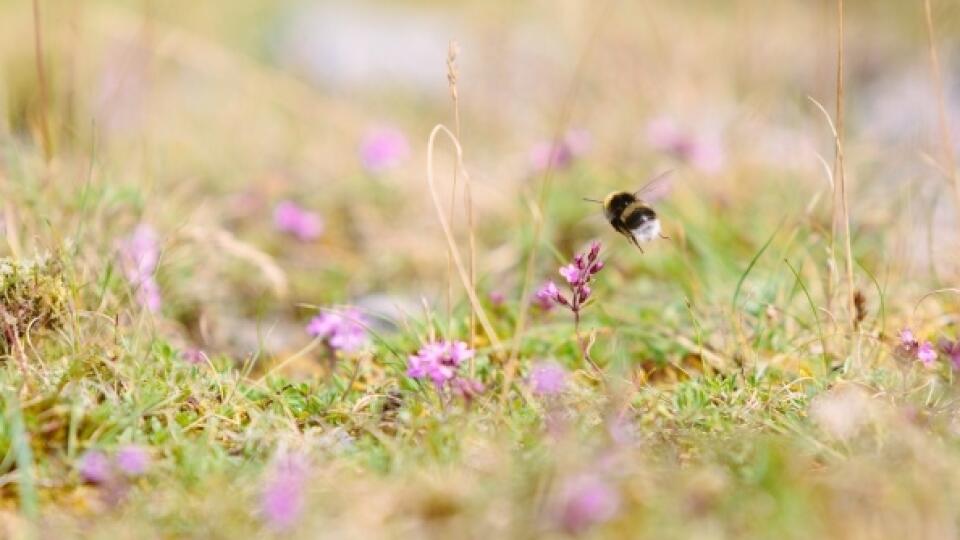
[633,207]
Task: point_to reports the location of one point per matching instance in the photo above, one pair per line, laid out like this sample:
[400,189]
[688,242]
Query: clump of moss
[33,296]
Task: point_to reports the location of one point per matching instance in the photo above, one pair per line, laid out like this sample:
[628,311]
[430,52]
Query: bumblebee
[630,214]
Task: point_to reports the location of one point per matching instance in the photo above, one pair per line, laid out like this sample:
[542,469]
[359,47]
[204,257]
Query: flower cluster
[911,348]
[383,148]
[282,498]
[702,150]
[586,501]
[345,331]
[952,350]
[578,275]
[560,154]
[440,362]
[194,356]
[139,257]
[97,468]
[291,219]
[547,378]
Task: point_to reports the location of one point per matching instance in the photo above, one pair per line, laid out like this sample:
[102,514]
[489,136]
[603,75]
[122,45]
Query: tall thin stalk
[42,90]
[946,140]
[840,172]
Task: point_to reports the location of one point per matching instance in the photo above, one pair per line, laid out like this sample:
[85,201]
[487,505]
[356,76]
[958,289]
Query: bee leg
[665,237]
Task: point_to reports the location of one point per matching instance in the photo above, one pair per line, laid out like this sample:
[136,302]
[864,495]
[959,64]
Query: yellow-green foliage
[33,295]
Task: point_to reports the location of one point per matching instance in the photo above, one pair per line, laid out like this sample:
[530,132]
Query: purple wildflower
[139,257]
[497,298]
[95,467]
[344,331]
[383,148]
[468,389]
[703,151]
[290,218]
[571,273]
[562,153]
[194,356]
[133,460]
[547,378]
[952,350]
[548,296]
[440,362]
[541,158]
[578,275]
[926,354]
[586,501]
[907,338]
[282,499]
[910,349]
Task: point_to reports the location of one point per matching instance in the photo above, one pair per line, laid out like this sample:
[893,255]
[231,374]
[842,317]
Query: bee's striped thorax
[615,203]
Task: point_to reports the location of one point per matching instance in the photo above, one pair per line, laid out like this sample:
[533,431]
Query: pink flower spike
[133,460]
[585,292]
[926,354]
[594,251]
[571,273]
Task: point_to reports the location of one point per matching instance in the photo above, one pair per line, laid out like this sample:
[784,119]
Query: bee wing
[657,188]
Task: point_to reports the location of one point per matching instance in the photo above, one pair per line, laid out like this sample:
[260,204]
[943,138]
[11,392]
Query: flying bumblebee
[630,214]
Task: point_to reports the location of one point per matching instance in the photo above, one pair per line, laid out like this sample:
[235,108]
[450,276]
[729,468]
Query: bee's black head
[616,202]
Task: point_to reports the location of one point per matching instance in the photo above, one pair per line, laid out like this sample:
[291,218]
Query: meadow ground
[228,307]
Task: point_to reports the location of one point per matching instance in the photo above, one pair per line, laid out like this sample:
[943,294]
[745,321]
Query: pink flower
[439,361]
[586,501]
[95,467]
[548,295]
[194,356]
[383,148]
[290,218]
[468,389]
[907,338]
[282,500]
[139,257]
[911,349]
[133,460]
[578,274]
[952,350]
[344,331]
[541,159]
[703,151]
[579,141]
[926,354]
[571,273]
[497,298]
[547,378]
[560,154]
